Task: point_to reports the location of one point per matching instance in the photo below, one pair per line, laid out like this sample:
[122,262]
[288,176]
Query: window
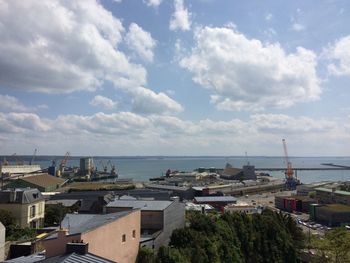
[32,211]
[134,233]
[124,238]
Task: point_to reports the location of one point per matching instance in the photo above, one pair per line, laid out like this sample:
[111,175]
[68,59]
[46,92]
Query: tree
[6,218]
[335,247]
[145,255]
[54,214]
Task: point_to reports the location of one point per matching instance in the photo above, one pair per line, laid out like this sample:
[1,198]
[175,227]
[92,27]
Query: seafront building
[43,182]
[26,205]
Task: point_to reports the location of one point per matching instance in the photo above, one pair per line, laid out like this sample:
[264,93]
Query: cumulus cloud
[105,102]
[246,74]
[153,3]
[181,18]
[62,46]
[339,52]
[10,103]
[22,122]
[141,42]
[268,17]
[131,133]
[146,101]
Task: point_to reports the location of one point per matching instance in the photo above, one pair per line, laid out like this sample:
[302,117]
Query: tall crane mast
[63,162]
[33,157]
[289,171]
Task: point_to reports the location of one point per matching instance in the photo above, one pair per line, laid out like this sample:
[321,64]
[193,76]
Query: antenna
[246,158]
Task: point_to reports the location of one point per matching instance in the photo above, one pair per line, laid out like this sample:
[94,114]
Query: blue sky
[175,77]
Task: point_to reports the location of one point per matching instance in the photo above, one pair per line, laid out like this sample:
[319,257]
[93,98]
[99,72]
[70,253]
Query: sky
[175,77]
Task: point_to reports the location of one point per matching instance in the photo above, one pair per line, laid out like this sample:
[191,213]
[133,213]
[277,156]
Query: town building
[43,182]
[330,196]
[90,201]
[26,205]
[114,236]
[158,218]
[294,203]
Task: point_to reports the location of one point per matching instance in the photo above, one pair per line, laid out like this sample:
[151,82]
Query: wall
[2,242]
[21,212]
[174,218]
[106,241]
[57,246]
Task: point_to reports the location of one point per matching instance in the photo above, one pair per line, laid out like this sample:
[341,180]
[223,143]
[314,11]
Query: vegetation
[345,187]
[13,232]
[54,214]
[266,237]
[335,247]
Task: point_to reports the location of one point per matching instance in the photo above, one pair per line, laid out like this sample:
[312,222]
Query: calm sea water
[143,168]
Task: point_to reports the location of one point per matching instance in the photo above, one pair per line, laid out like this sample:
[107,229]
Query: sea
[142,168]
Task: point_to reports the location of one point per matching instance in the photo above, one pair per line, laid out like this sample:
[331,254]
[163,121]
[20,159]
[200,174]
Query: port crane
[33,157]
[63,163]
[290,180]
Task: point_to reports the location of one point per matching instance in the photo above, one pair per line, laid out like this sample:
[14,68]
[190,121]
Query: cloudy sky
[175,77]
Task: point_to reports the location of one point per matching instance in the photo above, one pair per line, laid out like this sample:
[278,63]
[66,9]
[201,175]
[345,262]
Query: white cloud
[339,52]
[9,103]
[22,122]
[246,74]
[127,133]
[181,18]
[141,42]
[62,46]
[105,102]
[146,101]
[153,3]
[298,27]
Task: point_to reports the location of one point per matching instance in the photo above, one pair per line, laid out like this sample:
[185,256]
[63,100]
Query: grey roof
[167,187]
[64,202]
[202,199]
[153,205]
[81,223]
[127,197]
[74,258]
[21,196]
[28,259]
[321,189]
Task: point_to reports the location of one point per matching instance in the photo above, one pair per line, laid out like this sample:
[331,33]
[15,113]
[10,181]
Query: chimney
[80,248]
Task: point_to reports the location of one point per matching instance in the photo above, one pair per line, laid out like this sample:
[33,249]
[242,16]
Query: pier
[340,168]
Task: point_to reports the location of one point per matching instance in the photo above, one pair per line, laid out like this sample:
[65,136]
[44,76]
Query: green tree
[54,214]
[6,218]
[335,247]
[145,255]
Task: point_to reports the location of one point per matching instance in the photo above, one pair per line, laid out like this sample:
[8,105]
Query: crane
[32,160]
[291,182]
[63,163]
[289,171]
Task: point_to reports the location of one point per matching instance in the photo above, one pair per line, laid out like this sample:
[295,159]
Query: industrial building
[218,202]
[294,203]
[43,182]
[331,196]
[331,214]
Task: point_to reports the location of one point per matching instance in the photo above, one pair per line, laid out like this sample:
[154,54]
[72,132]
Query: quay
[338,168]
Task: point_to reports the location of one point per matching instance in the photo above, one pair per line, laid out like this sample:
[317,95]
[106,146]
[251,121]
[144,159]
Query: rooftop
[82,223]
[337,207]
[202,199]
[64,202]
[21,196]
[151,205]
[322,189]
[43,180]
[73,258]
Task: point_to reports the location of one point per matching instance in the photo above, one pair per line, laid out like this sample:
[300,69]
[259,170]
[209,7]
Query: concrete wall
[106,241]
[2,242]
[174,218]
